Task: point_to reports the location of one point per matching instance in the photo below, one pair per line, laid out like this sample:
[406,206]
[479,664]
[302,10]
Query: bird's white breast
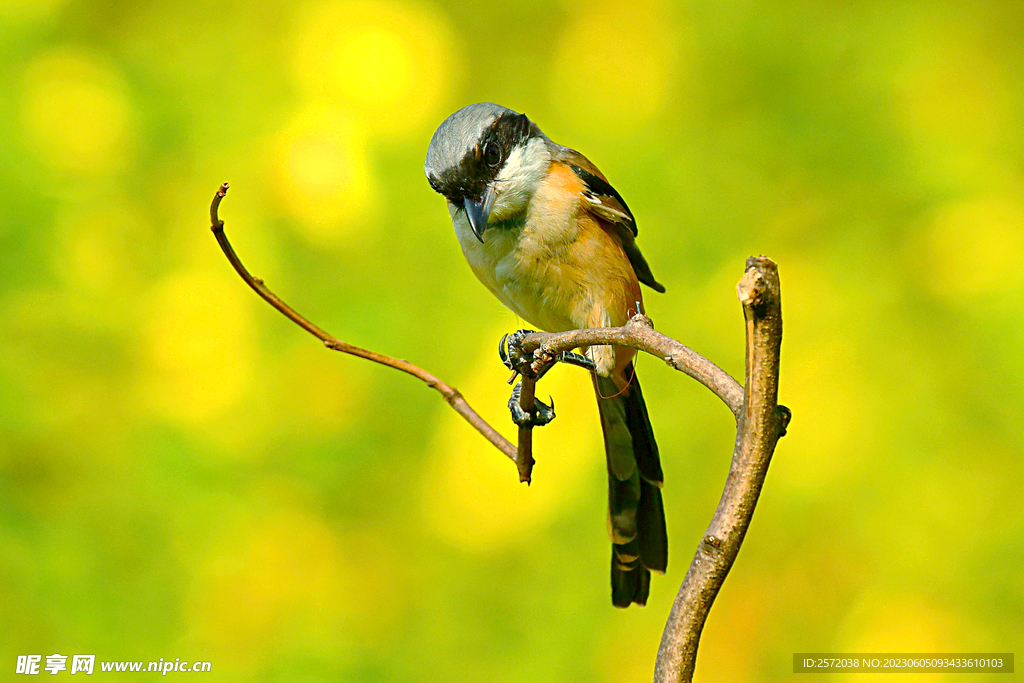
[521,261]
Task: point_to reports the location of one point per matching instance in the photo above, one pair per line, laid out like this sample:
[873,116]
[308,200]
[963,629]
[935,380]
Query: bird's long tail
[636,516]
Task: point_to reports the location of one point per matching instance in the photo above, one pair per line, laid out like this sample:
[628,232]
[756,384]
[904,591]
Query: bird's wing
[605,203]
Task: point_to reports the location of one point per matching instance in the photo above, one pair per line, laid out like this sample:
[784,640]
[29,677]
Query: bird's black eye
[492,155]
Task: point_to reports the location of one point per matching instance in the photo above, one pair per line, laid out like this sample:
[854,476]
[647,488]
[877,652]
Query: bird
[545,232]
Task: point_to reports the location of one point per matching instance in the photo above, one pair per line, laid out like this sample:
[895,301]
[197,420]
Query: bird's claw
[540,416]
[526,364]
[533,367]
[512,355]
[577,359]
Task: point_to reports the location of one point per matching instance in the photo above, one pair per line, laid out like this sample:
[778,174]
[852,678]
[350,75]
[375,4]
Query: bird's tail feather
[636,515]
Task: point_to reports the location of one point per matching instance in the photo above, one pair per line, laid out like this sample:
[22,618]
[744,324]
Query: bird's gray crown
[458,135]
[471,146]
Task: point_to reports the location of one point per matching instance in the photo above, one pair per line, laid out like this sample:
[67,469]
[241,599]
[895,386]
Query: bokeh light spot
[317,393]
[823,387]
[281,575]
[76,113]
[614,66]
[199,346]
[324,178]
[100,244]
[974,247]
[823,383]
[959,96]
[362,60]
[388,64]
[922,626]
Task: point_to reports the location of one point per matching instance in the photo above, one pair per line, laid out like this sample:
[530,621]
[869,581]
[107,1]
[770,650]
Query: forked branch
[638,333]
[451,395]
[760,423]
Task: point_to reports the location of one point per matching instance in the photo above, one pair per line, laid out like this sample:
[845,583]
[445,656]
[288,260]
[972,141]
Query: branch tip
[762,262]
[751,287]
[256,284]
[761,422]
[216,224]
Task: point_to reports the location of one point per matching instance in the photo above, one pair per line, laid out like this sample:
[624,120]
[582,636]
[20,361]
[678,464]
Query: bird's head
[487,161]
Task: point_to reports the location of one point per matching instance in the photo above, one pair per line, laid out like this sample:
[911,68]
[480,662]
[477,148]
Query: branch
[524,455]
[760,424]
[761,421]
[451,395]
[639,334]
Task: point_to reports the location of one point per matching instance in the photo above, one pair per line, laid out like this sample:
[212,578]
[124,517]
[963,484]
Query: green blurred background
[185,473]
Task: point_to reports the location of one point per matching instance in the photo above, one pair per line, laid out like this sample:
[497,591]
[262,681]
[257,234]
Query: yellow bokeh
[955,105]
[957,96]
[904,622]
[923,625]
[323,175]
[319,392]
[974,247]
[824,386]
[284,576]
[822,381]
[99,244]
[388,64]
[91,260]
[29,9]
[627,652]
[76,113]
[473,497]
[198,346]
[615,68]
[738,619]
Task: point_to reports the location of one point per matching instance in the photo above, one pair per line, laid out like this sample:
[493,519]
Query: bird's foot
[510,350]
[540,416]
[578,359]
[531,365]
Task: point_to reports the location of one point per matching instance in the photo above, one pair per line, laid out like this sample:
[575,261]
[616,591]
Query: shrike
[544,231]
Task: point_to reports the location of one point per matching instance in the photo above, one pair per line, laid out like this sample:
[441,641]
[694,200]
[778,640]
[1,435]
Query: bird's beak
[478,211]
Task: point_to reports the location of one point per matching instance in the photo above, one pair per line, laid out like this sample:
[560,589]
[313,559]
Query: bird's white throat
[519,178]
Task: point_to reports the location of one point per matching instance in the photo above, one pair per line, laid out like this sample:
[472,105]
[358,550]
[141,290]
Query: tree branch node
[713,541]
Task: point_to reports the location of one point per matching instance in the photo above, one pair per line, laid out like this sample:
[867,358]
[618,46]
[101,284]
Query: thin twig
[761,422]
[639,334]
[524,455]
[451,395]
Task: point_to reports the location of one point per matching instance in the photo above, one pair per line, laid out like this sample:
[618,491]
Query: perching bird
[544,231]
